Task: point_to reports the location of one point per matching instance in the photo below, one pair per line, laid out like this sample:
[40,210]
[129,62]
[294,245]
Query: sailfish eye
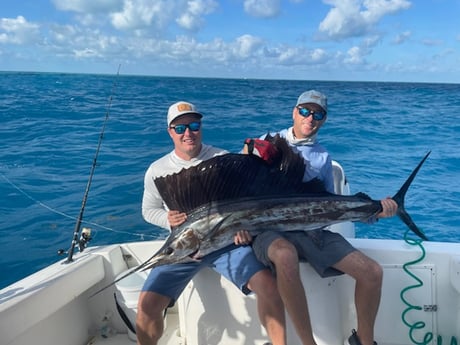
[169,251]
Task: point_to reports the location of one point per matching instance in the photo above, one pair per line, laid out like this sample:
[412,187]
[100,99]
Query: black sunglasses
[317,115]
[193,126]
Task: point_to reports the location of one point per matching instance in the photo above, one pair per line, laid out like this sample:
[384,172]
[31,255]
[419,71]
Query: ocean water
[50,125]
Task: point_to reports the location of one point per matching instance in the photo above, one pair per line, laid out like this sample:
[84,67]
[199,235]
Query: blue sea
[51,123]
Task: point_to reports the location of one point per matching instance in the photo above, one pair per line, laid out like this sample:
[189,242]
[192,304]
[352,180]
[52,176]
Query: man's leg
[285,258]
[369,276]
[149,321]
[164,284]
[269,305]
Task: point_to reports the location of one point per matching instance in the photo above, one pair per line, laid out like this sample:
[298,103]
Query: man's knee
[361,267]
[370,272]
[283,253]
[375,272]
[152,304]
[371,269]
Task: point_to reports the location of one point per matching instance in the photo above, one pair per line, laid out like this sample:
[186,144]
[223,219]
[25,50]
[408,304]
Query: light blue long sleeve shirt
[319,163]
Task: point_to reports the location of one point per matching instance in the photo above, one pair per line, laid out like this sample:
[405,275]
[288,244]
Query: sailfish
[235,192]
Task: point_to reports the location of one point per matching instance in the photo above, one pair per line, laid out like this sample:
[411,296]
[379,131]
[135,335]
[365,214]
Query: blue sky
[352,40]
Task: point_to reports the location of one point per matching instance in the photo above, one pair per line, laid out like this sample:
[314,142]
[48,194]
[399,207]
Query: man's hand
[389,208]
[176,218]
[242,237]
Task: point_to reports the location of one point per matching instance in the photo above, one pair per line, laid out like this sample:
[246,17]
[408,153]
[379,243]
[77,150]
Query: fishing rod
[86,233]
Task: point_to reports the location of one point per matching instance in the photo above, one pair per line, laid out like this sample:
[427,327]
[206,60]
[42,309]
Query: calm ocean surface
[50,125]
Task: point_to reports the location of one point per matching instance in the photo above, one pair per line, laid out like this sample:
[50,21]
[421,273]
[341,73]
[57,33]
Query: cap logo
[184,107]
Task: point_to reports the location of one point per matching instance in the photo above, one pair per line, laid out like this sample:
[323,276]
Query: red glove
[262,148]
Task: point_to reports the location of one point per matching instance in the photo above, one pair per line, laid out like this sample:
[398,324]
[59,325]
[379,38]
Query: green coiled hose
[428,337]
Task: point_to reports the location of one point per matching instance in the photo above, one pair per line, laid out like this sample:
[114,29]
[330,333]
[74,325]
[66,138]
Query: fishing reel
[82,242]
[84,238]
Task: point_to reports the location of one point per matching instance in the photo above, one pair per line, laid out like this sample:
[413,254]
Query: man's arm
[153,208]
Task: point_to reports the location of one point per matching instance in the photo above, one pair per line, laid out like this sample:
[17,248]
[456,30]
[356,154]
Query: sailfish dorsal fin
[232,176]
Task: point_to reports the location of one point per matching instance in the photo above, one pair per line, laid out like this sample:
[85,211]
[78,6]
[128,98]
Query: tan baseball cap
[181,108]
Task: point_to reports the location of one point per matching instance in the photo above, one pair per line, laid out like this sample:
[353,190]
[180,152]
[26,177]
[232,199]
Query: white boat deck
[170,336]
[55,306]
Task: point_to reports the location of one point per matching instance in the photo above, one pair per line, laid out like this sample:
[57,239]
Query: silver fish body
[213,227]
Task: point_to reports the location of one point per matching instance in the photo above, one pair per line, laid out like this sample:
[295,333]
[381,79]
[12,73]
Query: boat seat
[341,187]
[340,182]
[213,311]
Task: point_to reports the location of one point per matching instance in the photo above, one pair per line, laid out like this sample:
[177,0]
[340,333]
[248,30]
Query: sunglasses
[317,115]
[193,126]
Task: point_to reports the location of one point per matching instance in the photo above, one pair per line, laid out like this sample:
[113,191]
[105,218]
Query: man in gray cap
[238,263]
[328,252]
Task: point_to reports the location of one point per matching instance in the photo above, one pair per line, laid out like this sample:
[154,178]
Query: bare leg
[284,256]
[269,305]
[369,276]
[149,321]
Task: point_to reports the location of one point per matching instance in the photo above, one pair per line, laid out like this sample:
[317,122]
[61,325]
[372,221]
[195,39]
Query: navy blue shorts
[236,263]
[321,248]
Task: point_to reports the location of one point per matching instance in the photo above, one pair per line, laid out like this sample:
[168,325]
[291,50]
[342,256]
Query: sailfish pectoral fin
[399,198]
[210,234]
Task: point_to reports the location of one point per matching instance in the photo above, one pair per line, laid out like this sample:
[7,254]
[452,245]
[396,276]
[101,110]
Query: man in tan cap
[165,283]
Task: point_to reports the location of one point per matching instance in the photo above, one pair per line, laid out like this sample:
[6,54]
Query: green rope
[428,337]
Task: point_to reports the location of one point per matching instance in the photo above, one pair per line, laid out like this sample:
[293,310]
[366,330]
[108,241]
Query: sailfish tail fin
[399,198]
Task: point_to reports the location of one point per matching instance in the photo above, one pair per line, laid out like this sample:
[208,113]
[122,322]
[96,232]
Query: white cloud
[156,16]
[86,53]
[138,14]
[318,55]
[350,18]
[18,31]
[354,56]
[191,18]
[187,50]
[262,8]
[141,16]
[290,56]
[246,46]
[371,41]
[402,37]
[62,34]
[85,42]
[376,9]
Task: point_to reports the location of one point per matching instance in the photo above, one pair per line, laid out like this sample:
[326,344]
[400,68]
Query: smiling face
[188,144]
[306,126]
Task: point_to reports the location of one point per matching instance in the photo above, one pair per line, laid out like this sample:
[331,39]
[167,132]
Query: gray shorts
[321,248]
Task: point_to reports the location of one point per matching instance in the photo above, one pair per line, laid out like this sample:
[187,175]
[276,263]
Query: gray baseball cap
[313,96]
